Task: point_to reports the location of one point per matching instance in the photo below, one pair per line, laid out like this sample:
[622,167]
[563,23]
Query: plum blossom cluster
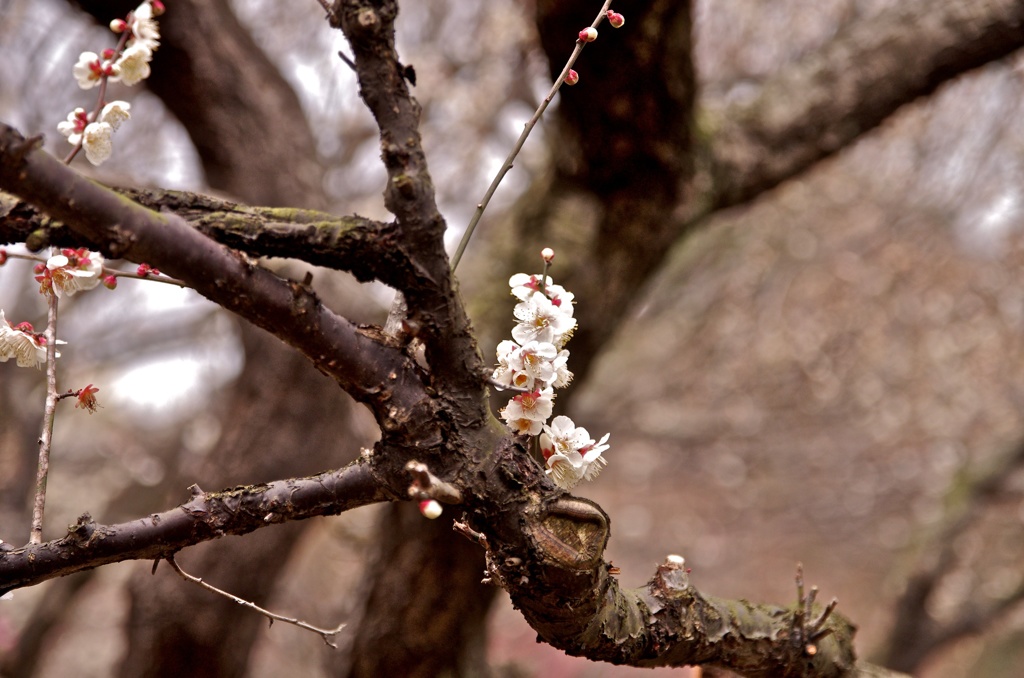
[534,362]
[69,272]
[128,64]
[20,342]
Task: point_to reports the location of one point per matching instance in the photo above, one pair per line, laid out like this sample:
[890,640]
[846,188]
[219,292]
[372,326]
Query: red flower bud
[588,34]
[110,282]
[572,77]
[430,508]
[616,19]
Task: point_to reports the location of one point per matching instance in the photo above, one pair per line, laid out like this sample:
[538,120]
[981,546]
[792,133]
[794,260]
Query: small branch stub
[426,486]
[672,574]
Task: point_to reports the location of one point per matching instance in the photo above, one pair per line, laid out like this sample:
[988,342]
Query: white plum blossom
[115,113]
[96,140]
[526,412]
[571,454]
[144,28]
[563,377]
[540,320]
[510,365]
[536,363]
[82,271]
[73,127]
[27,348]
[523,286]
[89,69]
[133,65]
[95,137]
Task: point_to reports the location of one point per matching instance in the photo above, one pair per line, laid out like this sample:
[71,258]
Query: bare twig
[469,533]
[326,634]
[155,278]
[507,165]
[49,410]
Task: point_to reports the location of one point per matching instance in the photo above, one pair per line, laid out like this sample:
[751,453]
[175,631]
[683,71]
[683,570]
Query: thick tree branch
[820,104]
[437,314]
[545,548]
[208,515]
[358,359]
[355,244]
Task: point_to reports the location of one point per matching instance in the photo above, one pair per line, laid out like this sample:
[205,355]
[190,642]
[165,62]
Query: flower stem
[507,165]
[46,436]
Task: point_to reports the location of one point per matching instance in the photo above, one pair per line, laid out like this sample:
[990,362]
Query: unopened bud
[118,26]
[3,257]
[110,282]
[547,254]
[430,508]
[616,19]
[39,268]
[158,7]
[588,34]
[107,54]
[572,77]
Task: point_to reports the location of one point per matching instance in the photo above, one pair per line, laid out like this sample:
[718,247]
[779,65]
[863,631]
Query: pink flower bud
[39,268]
[588,34]
[118,26]
[430,508]
[572,77]
[107,54]
[110,282]
[547,254]
[145,270]
[158,7]
[616,19]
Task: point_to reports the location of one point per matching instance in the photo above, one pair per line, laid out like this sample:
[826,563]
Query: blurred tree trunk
[225,92]
[285,418]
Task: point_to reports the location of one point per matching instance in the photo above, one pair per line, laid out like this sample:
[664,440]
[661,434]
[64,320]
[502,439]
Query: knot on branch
[570,532]
[82,530]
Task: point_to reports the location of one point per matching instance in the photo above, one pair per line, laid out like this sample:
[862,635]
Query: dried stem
[507,165]
[326,634]
[49,410]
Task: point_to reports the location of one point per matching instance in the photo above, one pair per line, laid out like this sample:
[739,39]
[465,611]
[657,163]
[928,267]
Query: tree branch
[916,632]
[437,315]
[358,358]
[208,515]
[355,244]
[820,104]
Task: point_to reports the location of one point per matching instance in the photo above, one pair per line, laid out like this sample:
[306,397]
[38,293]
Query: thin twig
[155,278]
[324,633]
[507,165]
[49,410]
